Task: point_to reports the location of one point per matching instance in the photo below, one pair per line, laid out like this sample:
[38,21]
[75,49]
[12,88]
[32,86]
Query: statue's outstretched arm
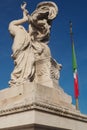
[15,23]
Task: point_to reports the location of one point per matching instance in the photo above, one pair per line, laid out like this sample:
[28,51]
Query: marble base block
[36,107]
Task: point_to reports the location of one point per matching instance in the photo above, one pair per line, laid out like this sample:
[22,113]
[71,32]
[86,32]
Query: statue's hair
[48,3]
[53,9]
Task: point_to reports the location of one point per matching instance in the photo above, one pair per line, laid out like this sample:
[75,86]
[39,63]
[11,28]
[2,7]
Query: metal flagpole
[75,81]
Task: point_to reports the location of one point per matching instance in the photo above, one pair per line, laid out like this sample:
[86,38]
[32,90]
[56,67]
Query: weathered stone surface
[40,105]
[47,72]
[31,92]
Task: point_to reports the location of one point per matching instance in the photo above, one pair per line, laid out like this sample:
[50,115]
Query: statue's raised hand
[23,6]
[25,11]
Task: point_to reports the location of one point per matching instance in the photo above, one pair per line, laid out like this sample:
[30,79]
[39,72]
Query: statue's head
[46,9]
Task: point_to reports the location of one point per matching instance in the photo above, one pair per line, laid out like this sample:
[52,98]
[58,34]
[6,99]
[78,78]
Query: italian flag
[75,74]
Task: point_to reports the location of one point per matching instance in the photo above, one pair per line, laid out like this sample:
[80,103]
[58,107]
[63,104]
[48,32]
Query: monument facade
[34,99]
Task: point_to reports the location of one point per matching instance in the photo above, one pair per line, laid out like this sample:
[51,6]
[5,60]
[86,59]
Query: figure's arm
[13,26]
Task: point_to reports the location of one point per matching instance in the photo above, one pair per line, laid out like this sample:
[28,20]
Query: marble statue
[32,45]
[35,94]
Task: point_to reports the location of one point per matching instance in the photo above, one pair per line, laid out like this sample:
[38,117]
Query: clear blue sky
[60,44]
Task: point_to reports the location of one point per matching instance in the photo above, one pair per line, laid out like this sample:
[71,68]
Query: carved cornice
[48,108]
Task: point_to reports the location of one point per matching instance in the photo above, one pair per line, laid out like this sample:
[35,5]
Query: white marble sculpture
[32,45]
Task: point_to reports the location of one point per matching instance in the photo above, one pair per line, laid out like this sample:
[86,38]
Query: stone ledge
[35,127]
[41,98]
[40,105]
[49,108]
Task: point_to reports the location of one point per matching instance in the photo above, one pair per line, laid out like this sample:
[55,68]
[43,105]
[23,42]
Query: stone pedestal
[37,107]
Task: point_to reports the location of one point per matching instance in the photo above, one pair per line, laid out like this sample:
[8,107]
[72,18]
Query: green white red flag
[75,74]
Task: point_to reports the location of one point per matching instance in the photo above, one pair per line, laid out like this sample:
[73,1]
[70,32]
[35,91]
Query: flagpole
[75,67]
[77,104]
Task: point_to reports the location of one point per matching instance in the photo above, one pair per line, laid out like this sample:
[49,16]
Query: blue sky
[60,44]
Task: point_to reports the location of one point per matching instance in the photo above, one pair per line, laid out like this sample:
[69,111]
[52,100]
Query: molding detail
[49,108]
